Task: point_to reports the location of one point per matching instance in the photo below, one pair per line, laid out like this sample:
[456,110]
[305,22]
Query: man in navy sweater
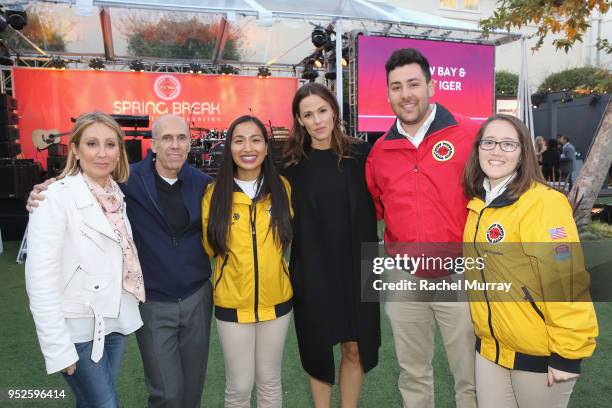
[163,196]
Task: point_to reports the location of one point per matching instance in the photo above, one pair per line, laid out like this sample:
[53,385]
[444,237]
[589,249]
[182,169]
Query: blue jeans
[93,384]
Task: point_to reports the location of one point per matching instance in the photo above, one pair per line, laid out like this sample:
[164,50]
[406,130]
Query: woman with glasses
[531,339]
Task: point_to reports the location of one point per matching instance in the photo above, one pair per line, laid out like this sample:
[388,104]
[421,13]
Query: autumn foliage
[177,38]
[569,18]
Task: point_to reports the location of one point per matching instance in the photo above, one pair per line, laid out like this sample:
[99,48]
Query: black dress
[334,214]
[550,164]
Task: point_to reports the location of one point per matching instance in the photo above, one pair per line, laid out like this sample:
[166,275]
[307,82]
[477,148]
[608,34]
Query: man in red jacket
[414,174]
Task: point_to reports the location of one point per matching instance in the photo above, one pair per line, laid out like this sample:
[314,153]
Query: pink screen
[464,75]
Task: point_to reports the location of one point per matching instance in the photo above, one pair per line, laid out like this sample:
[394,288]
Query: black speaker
[13,218]
[9,150]
[7,102]
[8,133]
[18,177]
[8,117]
[55,165]
[133,148]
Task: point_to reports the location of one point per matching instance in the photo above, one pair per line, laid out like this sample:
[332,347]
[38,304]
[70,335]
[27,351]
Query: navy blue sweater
[174,266]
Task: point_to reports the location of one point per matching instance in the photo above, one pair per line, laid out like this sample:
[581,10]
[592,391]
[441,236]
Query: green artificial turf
[21,363]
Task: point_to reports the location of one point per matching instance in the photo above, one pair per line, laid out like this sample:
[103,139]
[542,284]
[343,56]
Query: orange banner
[48,99]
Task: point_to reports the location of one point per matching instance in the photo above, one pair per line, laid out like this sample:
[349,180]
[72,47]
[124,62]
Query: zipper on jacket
[532,302]
[415,170]
[486,295]
[221,273]
[253,219]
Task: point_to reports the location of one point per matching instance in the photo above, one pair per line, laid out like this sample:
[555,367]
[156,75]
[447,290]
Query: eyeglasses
[506,145]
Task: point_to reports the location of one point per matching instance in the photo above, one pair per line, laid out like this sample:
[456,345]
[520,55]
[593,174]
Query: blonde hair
[122,169]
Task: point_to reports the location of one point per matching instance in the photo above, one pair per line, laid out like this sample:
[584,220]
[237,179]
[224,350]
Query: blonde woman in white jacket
[83,277]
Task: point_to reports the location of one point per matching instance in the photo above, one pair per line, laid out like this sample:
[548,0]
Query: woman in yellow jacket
[531,337]
[246,219]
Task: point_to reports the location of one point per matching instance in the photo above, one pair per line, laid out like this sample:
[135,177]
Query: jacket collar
[503,200]
[90,210]
[442,120]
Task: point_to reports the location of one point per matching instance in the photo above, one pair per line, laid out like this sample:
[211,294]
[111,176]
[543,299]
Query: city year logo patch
[443,150]
[495,233]
[167,87]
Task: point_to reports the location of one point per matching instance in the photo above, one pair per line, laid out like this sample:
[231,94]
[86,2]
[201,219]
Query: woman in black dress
[551,160]
[334,214]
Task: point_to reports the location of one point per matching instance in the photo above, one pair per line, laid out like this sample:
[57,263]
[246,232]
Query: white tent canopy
[368,13]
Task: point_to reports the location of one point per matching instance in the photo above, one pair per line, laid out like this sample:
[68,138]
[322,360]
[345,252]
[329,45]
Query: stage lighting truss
[137,66]
[13,15]
[263,72]
[97,64]
[195,68]
[57,63]
[226,69]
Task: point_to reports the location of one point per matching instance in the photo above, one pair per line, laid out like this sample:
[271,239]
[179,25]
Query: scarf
[111,201]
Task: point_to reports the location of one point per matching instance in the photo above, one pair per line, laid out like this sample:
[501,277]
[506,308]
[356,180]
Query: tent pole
[338,62]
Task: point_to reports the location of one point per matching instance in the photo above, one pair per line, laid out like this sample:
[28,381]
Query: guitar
[42,138]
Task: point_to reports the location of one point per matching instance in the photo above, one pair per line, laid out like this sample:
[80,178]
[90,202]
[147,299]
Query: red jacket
[418,191]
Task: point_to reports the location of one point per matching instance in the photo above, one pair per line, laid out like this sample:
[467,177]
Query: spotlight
[57,63]
[137,66]
[319,36]
[345,53]
[195,68]
[309,73]
[318,59]
[226,69]
[263,72]
[97,64]
[16,16]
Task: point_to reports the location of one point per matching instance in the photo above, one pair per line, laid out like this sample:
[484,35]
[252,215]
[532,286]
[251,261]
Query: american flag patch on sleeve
[558,233]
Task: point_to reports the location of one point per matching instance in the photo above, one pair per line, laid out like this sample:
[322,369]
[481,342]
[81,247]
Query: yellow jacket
[533,243]
[251,282]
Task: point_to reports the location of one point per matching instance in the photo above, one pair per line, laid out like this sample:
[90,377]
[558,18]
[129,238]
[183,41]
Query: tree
[566,17]
[506,83]
[579,81]
[570,18]
[179,38]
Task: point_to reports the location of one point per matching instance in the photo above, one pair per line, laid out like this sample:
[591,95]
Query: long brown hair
[220,212]
[299,139]
[527,171]
[122,169]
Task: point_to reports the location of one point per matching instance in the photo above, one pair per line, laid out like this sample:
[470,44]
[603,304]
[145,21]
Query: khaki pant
[413,325]
[253,353]
[499,387]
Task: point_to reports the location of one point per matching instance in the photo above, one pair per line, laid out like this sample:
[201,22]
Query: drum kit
[207,148]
